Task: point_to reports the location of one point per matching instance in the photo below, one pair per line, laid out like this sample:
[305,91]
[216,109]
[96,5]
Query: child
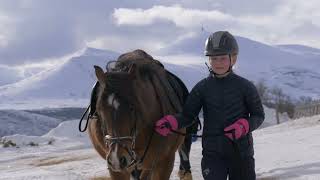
[232,109]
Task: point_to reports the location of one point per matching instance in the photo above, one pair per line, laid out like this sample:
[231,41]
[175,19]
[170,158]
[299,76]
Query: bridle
[123,141]
[111,140]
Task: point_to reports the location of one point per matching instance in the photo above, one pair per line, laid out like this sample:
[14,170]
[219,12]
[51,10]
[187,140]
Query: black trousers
[216,167]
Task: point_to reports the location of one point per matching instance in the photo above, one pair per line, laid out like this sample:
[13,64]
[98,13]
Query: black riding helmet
[221,43]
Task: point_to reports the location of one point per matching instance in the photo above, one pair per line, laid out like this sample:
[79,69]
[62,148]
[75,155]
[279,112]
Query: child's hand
[237,130]
[166,124]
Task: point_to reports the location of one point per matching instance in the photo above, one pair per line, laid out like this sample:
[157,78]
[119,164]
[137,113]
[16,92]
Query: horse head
[127,106]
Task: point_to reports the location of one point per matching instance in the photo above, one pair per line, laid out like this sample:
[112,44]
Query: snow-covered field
[286,151]
[289,150]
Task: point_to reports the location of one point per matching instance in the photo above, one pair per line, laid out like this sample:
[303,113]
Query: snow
[288,151]
[300,49]
[72,79]
[29,104]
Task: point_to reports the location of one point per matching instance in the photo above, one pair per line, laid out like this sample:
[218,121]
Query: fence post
[307,110]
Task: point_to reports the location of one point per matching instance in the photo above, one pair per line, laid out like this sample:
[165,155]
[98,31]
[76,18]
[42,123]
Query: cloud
[37,30]
[181,17]
[273,28]
[9,75]
[34,31]
[123,44]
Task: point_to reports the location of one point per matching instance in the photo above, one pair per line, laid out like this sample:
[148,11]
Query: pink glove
[240,128]
[166,124]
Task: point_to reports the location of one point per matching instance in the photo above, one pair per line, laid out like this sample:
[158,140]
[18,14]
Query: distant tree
[304,100]
[279,99]
[8,143]
[263,91]
[288,106]
[33,144]
[275,98]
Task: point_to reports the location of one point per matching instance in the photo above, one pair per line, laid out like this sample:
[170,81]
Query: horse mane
[134,56]
[150,70]
[118,83]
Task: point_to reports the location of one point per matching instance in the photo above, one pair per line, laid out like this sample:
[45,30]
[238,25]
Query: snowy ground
[287,151]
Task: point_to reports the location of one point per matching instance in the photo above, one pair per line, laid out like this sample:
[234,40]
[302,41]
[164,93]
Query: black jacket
[224,100]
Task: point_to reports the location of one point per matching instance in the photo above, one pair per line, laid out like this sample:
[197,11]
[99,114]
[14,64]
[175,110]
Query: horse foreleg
[184,152]
[164,168]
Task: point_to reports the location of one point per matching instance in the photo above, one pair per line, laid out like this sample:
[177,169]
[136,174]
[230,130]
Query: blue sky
[37,31]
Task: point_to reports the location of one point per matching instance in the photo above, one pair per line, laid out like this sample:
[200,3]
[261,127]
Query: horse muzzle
[118,163]
[120,157]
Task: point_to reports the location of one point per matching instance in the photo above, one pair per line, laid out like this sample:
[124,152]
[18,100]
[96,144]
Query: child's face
[221,64]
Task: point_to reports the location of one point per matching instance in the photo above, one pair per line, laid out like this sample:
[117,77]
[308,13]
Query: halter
[113,139]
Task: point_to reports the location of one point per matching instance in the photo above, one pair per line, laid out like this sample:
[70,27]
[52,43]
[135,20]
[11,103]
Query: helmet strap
[210,69]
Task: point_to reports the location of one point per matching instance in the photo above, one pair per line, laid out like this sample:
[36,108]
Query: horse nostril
[123,162]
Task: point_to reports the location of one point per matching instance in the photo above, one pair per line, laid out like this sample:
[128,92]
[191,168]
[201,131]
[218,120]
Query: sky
[40,31]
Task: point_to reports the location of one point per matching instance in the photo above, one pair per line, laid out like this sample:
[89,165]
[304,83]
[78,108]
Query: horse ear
[102,78]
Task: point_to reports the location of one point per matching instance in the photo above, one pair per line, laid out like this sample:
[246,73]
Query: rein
[187,134]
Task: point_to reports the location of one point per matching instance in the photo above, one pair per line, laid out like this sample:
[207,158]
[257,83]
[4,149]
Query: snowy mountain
[286,70]
[70,83]
[287,151]
[300,49]
[72,79]
[13,74]
[21,122]
[290,67]
[65,84]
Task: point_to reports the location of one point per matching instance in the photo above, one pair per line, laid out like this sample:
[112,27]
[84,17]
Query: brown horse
[130,100]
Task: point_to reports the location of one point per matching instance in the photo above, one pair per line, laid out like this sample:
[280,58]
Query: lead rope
[83,115]
[156,159]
